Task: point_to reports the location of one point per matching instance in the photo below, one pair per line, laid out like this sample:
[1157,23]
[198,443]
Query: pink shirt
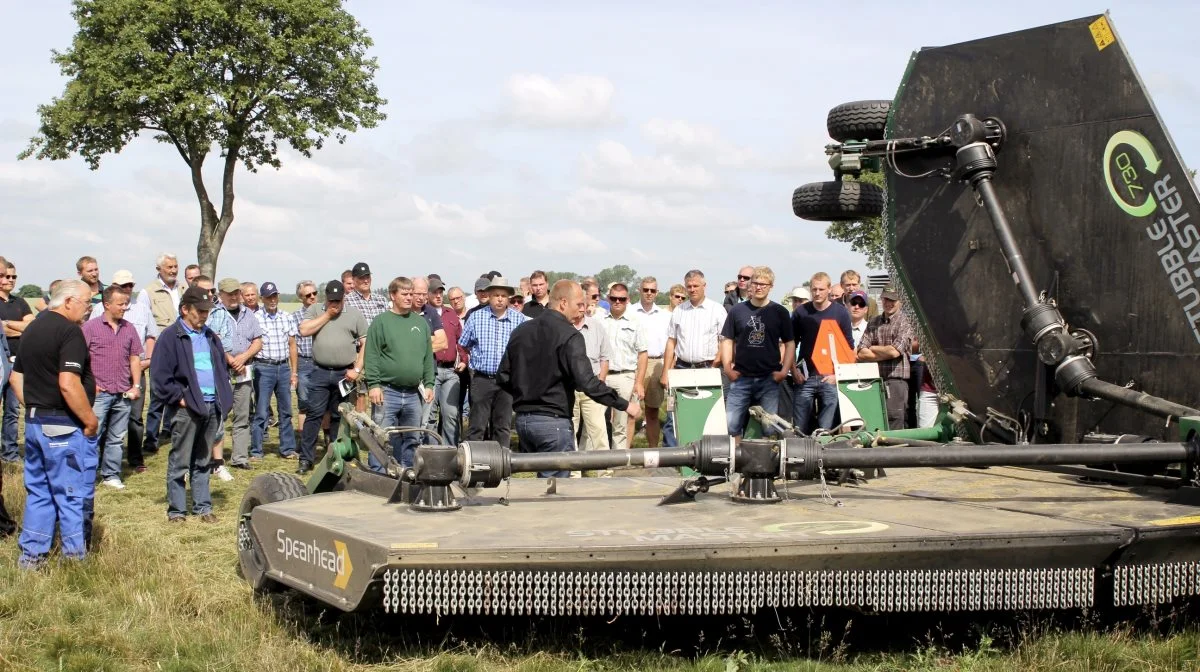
[110,352]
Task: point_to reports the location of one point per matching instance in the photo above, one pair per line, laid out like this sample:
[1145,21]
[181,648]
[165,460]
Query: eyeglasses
[308,295]
[595,296]
[649,290]
[743,278]
[679,297]
[516,300]
[456,298]
[760,284]
[10,277]
[618,299]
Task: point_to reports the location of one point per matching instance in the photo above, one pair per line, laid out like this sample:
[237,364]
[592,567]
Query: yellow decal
[1184,520]
[344,567]
[408,546]
[1102,33]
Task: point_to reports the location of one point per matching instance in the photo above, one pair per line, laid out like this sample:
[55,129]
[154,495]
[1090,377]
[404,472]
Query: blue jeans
[400,408]
[9,451]
[60,484]
[545,434]
[323,395]
[273,379]
[192,434]
[826,396]
[746,392]
[446,390]
[304,369]
[112,410]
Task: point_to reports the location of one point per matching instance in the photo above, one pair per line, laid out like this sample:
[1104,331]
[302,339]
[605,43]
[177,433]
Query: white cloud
[613,165]
[574,101]
[696,141]
[601,206]
[567,242]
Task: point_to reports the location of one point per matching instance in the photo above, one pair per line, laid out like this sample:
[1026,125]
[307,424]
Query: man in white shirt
[692,337]
[859,306]
[627,369]
[655,319]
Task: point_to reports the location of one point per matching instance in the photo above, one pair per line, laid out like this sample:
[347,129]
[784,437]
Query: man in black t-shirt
[757,348]
[52,377]
[814,381]
[15,315]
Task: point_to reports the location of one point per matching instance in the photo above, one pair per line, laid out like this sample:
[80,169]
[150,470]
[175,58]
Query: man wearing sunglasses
[627,369]
[654,319]
[16,315]
[300,351]
[742,293]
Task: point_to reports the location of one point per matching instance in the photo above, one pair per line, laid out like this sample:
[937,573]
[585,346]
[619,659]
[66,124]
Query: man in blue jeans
[399,370]
[15,315]
[545,362]
[814,382]
[757,349]
[115,350]
[190,371]
[273,374]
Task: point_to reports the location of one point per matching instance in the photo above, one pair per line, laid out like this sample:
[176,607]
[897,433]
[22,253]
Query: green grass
[153,596]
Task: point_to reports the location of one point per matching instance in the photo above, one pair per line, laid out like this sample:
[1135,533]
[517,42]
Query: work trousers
[489,405]
[60,485]
[273,380]
[622,382]
[192,433]
[589,415]
[239,421]
[897,402]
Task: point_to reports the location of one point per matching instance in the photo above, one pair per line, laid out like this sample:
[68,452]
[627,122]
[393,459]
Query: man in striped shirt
[115,353]
[485,336]
[246,341]
[273,373]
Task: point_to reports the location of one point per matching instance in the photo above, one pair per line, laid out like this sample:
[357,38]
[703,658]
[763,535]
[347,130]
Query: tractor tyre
[264,489]
[837,201]
[860,120]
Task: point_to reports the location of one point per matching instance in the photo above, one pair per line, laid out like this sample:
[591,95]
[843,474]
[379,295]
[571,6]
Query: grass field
[158,597]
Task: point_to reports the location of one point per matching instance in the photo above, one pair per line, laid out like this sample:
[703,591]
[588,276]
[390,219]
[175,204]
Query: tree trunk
[213,227]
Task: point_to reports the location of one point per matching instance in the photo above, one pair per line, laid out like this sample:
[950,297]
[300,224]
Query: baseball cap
[196,297]
[800,293]
[858,294]
[335,290]
[360,270]
[122,277]
[436,284]
[890,294]
[229,285]
[482,284]
[268,289]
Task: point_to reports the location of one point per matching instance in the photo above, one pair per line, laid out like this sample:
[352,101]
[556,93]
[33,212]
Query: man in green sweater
[399,370]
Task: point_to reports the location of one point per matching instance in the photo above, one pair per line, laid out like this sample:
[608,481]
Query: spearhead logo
[1129,164]
[336,562]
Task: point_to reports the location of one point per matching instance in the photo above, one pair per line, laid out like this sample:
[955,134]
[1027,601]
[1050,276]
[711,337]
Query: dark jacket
[173,371]
[545,363]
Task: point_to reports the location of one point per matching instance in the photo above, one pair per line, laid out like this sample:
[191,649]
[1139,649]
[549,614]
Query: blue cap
[268,289]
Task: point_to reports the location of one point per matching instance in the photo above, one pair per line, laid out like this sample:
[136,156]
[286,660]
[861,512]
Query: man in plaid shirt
[360,296]
[300,351]
[273,373]
[485,336]
[888,341]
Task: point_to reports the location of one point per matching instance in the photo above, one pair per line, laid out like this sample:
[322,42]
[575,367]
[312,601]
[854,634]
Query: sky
[561,136]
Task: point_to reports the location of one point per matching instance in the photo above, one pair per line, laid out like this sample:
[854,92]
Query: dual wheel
[844,200]
[264,489]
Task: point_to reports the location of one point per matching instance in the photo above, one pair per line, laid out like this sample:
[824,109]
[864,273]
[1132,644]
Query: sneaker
[273,422]
[222,473]
[289,456]
[208,518]
[114,483]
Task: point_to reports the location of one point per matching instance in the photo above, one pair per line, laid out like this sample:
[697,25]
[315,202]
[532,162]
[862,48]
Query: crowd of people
[108,373]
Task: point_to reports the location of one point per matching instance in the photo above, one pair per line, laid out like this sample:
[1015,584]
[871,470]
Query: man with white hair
[161,296]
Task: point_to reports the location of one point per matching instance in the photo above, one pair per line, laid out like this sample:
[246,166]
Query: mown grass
[154,596]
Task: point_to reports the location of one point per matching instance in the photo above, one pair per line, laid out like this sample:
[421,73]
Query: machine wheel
[837,201]
[860,120]
[264,489]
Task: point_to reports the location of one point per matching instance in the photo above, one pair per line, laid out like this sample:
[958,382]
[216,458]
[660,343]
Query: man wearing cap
[655,319]
[449,363]
[627,369]
[339,333]
[300,349]
[545,365]
[888,341]
[398,369]
[273,373]
[245,344]
[485,336]
[115,353]
[361,298]
[138,315]
[161,298]
[189,369]
[481,298]
[858,303]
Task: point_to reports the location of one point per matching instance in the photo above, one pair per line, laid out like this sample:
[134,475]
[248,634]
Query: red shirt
[110,352]
[453,328]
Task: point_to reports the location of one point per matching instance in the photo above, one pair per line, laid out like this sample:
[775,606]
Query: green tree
[30,292]
[867,235]
[554,276]
[202,75]
[618,273]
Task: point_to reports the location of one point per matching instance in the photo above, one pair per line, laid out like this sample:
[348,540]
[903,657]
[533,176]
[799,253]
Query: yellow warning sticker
[1184,520]
[1102,33]
[414,545]
[344,566]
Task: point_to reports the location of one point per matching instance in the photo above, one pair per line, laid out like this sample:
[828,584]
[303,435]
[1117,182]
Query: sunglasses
[647,290]
[128,285]
[595,296]
[858,303]
[516,300]
[743,278]
[10,277]
[618,299]
[679,297]
[308,295]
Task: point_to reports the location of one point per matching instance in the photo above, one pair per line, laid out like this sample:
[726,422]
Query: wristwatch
[357,370]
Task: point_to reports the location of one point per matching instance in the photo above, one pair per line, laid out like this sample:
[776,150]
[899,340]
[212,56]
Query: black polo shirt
[532,308]
[14,308]
[53,344]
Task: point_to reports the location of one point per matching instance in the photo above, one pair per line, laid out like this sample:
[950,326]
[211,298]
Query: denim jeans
[446,391]
[273,379]
[545,434]
[192,434]
[112,410]
[60,482]
[400,408]
[323,395]
[826,396]
[304,369]
[136,428]
[9,451]
[749,391]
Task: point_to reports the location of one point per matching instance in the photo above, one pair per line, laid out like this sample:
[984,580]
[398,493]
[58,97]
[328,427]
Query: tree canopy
[242,77]
[30,291]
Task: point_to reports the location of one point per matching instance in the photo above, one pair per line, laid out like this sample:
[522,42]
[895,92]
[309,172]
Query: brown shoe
[208,518]
[175,519]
